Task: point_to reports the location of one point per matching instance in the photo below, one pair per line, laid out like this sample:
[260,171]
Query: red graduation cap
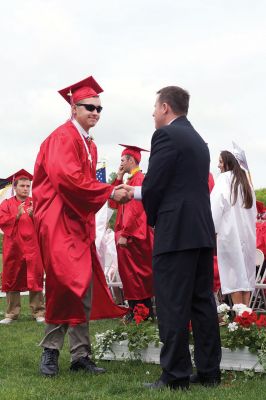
[22,173]
[81,90]
[133,151]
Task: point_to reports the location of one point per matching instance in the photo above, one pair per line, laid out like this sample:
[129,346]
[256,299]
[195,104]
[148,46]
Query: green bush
[111,179]
[113,219]
[261,195]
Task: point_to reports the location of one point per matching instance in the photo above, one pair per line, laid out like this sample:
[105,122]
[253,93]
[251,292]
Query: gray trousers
[79,341]
[14,304]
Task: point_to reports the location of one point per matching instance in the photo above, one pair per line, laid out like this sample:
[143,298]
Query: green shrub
[111,179]
[113,219]
[261,195]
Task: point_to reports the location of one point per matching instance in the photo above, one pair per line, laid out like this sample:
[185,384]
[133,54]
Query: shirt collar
[179,116]
[80,129]
[169,123]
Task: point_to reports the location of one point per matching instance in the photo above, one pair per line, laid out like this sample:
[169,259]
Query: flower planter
[237,360]
[240,360]
[120,352]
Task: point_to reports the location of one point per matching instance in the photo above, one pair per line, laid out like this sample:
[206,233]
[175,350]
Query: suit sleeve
[161,163]
[82,193]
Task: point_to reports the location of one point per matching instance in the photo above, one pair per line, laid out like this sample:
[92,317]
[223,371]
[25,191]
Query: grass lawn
[20,378]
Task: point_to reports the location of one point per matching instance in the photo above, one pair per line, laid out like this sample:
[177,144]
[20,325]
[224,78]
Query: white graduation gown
[236,237]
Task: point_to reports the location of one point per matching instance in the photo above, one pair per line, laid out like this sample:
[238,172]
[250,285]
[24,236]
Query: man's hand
[30,209]
[121,195]
[120,173]
[130,189]
[122,241]
[20,210]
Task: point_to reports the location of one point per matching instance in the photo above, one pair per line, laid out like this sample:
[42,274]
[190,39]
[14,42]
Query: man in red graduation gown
[22,264]
[134,238]
[66,196]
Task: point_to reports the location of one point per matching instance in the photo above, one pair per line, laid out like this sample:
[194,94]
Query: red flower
[138,319]
[261,322]
[250,316]
[246,319]
[141,312]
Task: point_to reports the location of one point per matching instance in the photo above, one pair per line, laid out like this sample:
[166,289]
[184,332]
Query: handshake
[123,193]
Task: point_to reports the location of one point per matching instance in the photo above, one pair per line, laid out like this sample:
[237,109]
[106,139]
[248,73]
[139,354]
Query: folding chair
[114,283]
[257,298]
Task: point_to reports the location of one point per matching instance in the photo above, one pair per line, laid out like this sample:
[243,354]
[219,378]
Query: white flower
[247,309]
[99,335]
[225,318]
[223,308]
[147,372]
[232,327]
[240,308]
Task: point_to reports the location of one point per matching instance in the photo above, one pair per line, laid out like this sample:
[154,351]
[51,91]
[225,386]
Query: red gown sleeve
[8,221]
[134,220]
[210,182]
[113,204]
[81,193]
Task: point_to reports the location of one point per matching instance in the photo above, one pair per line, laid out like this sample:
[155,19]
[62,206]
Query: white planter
[120,352]
[237,360]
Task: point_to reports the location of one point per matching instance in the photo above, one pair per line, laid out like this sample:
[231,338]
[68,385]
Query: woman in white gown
[234,214]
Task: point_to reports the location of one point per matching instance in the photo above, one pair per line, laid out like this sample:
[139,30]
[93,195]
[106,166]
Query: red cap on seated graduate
[21,174]
[133,151]
[81,90]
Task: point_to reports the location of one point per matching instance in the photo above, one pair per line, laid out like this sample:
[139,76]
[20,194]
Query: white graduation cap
[241,159]
[240,156]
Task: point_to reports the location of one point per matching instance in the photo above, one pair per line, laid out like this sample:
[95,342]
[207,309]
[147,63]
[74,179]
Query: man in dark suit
[175,195]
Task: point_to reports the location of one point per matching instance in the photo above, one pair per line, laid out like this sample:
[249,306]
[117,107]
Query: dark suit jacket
[175,190]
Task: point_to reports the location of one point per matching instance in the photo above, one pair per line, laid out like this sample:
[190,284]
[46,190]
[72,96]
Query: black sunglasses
[91,107]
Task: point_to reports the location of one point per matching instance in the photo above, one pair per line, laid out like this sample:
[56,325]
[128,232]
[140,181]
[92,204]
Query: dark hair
[20,179]
[176,97]
[239,179]
[128,156]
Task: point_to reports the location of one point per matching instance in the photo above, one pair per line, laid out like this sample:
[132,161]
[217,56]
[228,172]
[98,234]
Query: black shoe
[49,362]
[87,365]
[194,378]
[210,381]
[207,380]
[182,384]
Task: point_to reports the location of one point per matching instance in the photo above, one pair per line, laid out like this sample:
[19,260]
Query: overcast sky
[216,49]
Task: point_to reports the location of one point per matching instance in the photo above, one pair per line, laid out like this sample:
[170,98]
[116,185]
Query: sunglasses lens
[89,107]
